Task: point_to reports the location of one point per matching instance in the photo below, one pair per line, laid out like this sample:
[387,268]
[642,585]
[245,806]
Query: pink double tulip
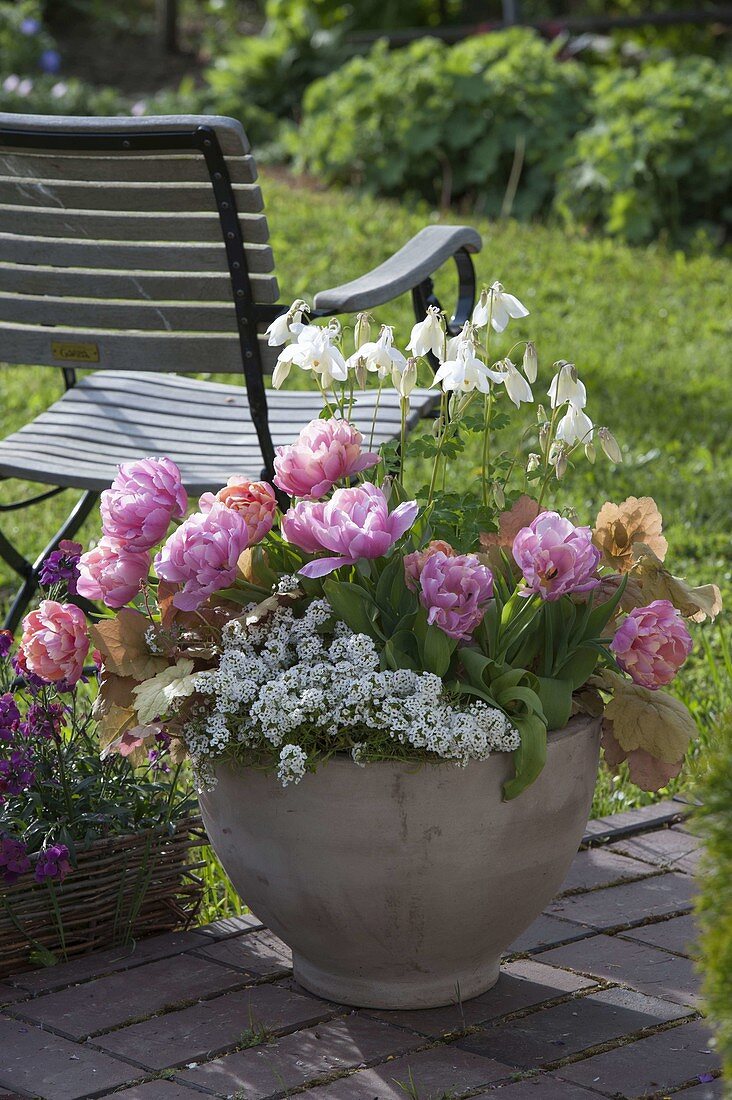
[54,643]
[414,563]
[555,557]
[455,590]
[325,452]
[255,501]
[112,572]
[141,501]
[354,523]
[652,644]
[201,555]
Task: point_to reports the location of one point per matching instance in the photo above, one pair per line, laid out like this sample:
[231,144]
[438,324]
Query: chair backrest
[133,243]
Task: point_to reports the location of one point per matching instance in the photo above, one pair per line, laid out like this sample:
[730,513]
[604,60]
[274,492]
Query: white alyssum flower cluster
[288,680]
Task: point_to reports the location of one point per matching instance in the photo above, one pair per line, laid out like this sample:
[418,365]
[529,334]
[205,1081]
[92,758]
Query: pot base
[415,990]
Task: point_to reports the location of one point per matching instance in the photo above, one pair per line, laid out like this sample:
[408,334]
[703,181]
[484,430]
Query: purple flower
[50,61]
[455,591]
[9,716]
[43,721]
[142,500]
[6,643]
[30,26]
[202,554]
[156,761]
[53,863]
[555,557]
[354,523]
[14,860]
[652,644]
[16,773]
[61,567]
[33,683]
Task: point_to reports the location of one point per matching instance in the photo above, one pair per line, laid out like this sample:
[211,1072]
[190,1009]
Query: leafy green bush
[261,79]
[657,155]
[446,122]
[715,908]
[48,95]
[25,44]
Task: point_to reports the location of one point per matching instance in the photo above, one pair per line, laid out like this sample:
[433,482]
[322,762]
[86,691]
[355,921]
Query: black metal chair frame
[248,315]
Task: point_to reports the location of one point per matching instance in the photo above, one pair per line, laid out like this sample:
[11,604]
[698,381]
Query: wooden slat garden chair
[137,248]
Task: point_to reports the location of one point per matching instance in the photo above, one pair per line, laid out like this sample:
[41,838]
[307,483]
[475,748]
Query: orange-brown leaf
[523,512]
[121,641]
[619,526]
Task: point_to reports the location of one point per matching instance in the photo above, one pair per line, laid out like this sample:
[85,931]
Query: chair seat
[205,427]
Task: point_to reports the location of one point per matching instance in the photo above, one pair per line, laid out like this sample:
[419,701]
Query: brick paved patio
[598,998]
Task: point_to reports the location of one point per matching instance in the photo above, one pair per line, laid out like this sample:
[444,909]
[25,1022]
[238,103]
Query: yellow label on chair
[69,352]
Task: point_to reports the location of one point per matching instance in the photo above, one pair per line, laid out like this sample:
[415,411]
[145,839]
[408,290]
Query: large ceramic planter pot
[399,886]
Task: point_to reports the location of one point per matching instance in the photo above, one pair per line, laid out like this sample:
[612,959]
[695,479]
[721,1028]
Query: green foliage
[23,38]
[715,906]
[657,155]
[260,79]
[52,96]
[445,122]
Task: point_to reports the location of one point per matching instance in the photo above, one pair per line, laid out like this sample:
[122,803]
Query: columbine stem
[488,408]
[403,440]
[376,412]
[324,395]
[548,472]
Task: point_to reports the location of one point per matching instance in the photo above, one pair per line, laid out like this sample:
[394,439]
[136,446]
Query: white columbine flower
[428,335]
[465,336]
[466,372]
[313,350]
[498,307]
[575,426]
[517,388]
[405,381]
[287,325]
[566,386]
[379,356]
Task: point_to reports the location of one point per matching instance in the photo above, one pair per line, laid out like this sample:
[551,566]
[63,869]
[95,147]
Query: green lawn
[648,330]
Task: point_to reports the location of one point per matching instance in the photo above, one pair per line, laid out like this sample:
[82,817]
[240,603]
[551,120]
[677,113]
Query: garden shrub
[26,47]
[49,95]
[261,78]
[657,155]
[447,122]
[715,907]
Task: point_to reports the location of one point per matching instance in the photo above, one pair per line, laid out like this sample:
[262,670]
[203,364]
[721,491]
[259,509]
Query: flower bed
[122,889]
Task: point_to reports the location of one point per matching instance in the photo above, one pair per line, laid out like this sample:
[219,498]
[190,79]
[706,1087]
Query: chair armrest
[403,271]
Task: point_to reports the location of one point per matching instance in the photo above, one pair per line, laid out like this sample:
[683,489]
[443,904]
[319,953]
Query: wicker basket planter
[123,888]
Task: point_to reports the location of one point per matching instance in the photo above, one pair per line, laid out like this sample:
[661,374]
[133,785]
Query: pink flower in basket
[454,590]
[255,501]
[144,497]
[325,452]
[202,554]
[354,523]
[54,643]
[112,572]
[652,644]
[556,557]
